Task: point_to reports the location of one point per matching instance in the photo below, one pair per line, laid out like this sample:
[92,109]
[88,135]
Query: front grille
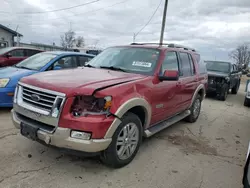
[215,80]
[40,99]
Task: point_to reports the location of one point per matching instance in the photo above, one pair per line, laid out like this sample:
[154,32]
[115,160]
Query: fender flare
[200,87]
[124,108]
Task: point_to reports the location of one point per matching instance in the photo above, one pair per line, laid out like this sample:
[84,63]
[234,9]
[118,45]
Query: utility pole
[134,38]
[163,21]
[18,38]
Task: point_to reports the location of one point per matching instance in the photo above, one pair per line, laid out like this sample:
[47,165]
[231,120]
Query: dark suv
[13,55]
[222,76]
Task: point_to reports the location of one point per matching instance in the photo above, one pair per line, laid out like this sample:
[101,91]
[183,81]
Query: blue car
[45,61]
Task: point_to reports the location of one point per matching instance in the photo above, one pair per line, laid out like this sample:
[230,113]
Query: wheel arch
[138,106]
[199,90]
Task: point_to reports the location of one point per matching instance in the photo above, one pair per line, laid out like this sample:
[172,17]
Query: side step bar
[160,126]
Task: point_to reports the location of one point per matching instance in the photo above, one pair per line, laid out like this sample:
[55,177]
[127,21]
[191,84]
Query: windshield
[218,66]
[127,59]
[36,62]
[4,50]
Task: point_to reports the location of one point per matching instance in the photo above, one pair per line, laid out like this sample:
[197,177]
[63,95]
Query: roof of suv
[162,46]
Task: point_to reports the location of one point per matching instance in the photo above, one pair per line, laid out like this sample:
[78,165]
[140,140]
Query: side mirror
[169,75]
[57,68]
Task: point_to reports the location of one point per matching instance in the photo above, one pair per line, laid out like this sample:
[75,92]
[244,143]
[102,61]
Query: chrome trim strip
[42,90]
[42,104]
[32,108]
[34,92]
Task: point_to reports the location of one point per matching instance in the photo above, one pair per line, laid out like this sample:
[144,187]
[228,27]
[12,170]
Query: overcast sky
[213,27]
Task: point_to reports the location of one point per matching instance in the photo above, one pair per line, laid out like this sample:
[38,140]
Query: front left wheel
[224,92]
[125,142]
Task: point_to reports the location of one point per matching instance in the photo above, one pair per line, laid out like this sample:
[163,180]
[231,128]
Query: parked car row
[40,62]
[123,94]
[13,55]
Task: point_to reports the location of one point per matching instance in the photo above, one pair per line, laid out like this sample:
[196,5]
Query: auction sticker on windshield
[142,64]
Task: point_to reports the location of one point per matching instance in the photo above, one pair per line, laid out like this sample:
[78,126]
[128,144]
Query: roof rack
[170,45]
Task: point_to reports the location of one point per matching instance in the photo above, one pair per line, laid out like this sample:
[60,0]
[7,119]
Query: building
[89,49]
[7,36]
[44,47]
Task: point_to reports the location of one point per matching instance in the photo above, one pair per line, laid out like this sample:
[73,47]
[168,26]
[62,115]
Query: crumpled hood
[80,80]
[217,74]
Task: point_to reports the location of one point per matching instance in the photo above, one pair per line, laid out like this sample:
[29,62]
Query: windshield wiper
[113,68]
[88,65]
[23,67]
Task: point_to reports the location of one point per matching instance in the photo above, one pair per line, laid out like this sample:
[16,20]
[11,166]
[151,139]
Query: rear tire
[195,110]
[236,88]
[125,142]
[224,92]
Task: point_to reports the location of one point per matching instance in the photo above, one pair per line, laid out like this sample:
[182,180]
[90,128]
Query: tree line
[241,56]
[69,40]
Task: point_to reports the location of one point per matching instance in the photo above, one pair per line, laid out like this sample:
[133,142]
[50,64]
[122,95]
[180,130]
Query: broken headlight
[85,105]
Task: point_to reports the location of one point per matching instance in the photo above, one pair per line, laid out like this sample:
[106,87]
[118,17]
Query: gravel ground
[207,154]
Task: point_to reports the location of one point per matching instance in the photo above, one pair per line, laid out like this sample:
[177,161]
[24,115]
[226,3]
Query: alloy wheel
[127,141]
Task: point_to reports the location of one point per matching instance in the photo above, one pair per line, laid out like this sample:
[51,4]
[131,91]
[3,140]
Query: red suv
[123,94]
[13,55]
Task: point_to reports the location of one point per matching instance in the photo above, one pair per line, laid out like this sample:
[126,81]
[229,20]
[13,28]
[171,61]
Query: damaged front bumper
[61,137]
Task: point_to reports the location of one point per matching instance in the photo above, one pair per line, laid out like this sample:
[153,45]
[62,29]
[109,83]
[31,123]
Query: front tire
[125,142]
[247,102]
[236,88]
[224,92]
[195,110]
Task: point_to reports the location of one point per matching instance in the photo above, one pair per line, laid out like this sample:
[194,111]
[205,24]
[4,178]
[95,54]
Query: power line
[149,19]
[59,18]
[96,10]
[56,10]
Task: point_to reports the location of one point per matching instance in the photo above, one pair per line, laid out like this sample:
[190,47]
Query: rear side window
[191,64]
[170,62]
[201,64]
[66,62]
[185,64]
[17,53]
[31,52]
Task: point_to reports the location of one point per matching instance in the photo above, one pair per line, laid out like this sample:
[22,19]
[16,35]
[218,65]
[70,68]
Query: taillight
[84,105]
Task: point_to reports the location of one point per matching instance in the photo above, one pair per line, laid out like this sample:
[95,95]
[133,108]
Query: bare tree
[241,55]
[80,41]
[68,39]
